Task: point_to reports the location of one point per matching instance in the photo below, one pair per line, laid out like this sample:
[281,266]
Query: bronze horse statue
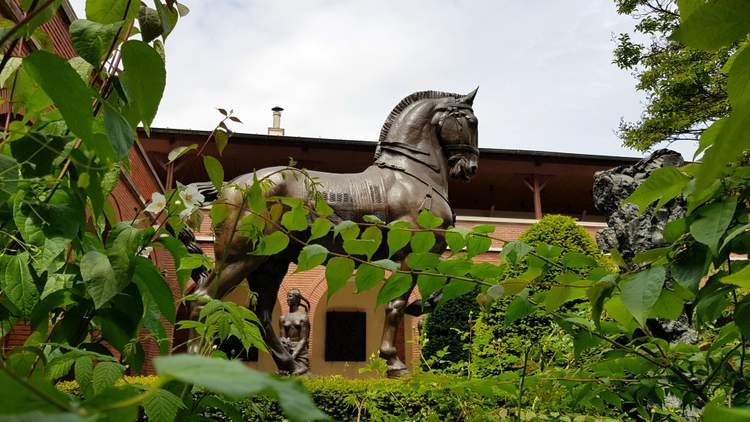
[428,137]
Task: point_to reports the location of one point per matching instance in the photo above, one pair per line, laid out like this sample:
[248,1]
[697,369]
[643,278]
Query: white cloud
[338,67]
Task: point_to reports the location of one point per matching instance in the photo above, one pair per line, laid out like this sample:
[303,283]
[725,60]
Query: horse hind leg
[266,281]
[218,283]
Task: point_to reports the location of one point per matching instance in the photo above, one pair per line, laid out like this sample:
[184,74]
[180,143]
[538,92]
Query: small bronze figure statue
[427,139]
[294,330]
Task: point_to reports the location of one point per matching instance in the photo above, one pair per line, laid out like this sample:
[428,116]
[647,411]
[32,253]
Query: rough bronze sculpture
[294,330]
[631,232]
[427,138]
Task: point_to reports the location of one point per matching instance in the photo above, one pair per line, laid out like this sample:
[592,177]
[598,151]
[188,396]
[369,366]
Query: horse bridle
[451,150]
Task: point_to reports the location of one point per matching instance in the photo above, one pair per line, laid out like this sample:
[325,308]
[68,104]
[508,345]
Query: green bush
[497,346]
[443,342]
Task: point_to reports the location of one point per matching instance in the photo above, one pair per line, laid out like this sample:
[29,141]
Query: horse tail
[208,190]
[187,236]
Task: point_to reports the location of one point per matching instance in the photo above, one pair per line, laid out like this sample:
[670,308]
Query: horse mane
[411,99]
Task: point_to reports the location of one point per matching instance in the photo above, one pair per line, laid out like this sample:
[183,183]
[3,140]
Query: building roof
[499,189]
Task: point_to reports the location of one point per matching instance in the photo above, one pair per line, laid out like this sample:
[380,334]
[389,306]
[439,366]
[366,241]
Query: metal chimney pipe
[276,129]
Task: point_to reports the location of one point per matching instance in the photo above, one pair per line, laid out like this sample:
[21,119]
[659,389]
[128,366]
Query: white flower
[191,197]
[186,213]
[158,202]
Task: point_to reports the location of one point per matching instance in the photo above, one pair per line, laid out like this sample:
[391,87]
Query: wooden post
[536,183]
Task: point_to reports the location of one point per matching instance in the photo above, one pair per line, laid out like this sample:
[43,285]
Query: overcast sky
[337,67]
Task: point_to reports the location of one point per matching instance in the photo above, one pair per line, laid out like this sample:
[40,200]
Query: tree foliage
[684,87]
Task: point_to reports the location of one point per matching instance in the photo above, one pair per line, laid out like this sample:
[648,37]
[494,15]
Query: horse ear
[469,98]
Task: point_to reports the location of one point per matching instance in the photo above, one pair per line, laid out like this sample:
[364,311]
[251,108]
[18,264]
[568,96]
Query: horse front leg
[394,314]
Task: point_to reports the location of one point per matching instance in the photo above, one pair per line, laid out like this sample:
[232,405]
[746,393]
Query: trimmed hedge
[422,397]
[497,346]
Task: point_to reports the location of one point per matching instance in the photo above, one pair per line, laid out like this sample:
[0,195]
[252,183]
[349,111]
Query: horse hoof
[397,372]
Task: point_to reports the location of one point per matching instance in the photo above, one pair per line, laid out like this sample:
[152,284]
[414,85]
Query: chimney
[276,130]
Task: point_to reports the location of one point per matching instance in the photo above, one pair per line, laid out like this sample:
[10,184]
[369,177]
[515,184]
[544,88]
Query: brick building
[512,190]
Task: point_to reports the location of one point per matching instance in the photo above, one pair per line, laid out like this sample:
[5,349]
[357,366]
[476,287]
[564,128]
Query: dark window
[345,336]
[232,346]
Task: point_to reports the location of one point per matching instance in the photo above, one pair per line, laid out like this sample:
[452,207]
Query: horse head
[432,126]
[456,128]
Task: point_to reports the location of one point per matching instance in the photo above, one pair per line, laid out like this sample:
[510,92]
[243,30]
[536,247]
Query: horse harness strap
[432,187]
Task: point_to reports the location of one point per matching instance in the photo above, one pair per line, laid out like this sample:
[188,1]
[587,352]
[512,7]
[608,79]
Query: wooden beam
[536,184]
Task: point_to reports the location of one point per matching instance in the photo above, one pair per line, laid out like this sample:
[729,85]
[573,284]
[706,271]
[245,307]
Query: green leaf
[422,260]
[742,317]
[180,151]
[148,278]
[714,24]
[109,11]
[162,406]
[105,375]
[663,185]
[688,267]
[222,139]
[367,277]
[92,40]
[311,256]
[219,212]
[68,91]
[215,171]
[397,285]
[347,229]
[641,291]
[84,373]
[372,219]
[514,251]
[272,244]
[455,267]
[338,271]
[486,271]
[428,220]
[519,307]
[321,206]
[365,247]
[598,295]
[483,228]
[373,233]
[731,139]
[19,285]
[669,306]
[397,239]
[99,277]
[477,245]
[456,238]
[578,260]
[294,219]
[120,134]
[235,380]
[143,78]
[422,241]
[712,221]
[456,288]
[739,278]
[8,177]
[320,228]
[715,412]
[428,284]
[738,81]
[674,229]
